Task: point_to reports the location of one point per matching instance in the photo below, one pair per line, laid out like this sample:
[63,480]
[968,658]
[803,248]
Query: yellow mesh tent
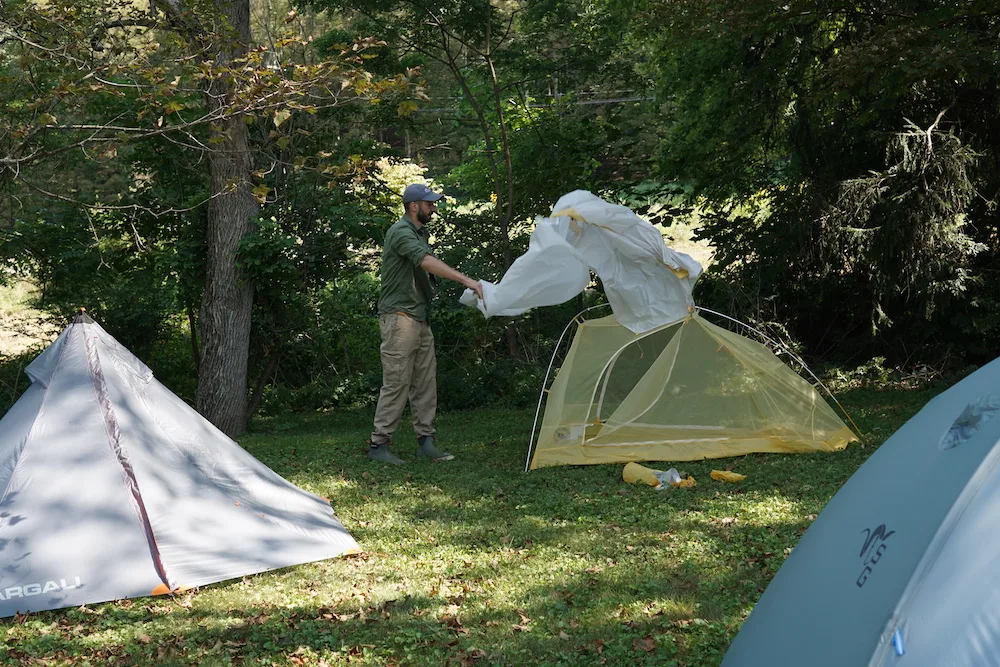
[680,392]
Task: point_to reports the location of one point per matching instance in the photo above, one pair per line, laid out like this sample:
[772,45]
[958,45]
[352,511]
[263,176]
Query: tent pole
[545,382]
[793,356]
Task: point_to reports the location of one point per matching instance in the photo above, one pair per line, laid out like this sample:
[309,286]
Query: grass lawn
[474,562]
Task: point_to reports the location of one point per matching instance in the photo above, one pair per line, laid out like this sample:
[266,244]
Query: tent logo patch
[28,590]
[872,549]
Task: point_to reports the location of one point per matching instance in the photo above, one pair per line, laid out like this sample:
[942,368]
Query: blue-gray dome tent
[902,568]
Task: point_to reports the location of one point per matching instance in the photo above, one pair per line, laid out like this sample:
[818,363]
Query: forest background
[212,179]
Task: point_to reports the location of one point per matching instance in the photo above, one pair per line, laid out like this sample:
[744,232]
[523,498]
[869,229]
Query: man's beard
[423,216]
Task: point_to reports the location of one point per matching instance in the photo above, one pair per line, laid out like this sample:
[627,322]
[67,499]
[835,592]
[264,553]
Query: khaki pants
[409,371]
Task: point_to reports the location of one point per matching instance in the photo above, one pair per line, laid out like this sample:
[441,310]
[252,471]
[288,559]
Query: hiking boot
[425,447]
[382,453]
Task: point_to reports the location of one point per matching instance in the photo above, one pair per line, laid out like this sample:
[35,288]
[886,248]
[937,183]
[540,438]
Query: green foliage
[845,160]
[99,262]
[172,360]
[13,382]
[554,150]
[659,202]
[841,160]
[333,361]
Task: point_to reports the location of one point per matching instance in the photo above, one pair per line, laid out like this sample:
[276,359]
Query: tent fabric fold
[647,283]
[115,488]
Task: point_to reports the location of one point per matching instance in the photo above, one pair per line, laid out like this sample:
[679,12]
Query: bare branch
[127,207]
[510,27]
[180,17]
[111,25]
[933,127]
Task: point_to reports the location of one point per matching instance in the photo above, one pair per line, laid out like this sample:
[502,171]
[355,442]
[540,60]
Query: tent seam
[113,433]
[618,352]
[739,360]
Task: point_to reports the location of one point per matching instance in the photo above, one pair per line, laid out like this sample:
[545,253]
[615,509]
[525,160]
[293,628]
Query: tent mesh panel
[687,391]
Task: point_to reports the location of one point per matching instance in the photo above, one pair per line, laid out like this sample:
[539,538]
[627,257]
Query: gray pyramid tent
[115,488]
[903,565]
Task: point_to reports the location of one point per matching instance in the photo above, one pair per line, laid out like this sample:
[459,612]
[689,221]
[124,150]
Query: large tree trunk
[228,299]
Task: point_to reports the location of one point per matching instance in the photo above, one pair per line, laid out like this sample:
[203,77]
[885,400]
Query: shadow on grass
[456,627]
[476,562]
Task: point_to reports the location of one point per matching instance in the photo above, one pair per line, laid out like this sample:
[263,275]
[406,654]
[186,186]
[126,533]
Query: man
[409,367]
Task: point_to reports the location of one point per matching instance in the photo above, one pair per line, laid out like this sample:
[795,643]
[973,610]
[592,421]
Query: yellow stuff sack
[726,476]
[637,474]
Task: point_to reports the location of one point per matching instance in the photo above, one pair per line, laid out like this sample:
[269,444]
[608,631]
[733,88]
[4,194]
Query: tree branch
[127,207]
[111,25]
[933,127]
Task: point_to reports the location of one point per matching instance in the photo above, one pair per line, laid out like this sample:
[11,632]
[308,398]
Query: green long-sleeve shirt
[406,288]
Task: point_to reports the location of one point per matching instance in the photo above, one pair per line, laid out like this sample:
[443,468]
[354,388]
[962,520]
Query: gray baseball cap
[419,192]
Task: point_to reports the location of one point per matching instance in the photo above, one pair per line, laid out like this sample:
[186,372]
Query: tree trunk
[193,326]
[270,366]
[228,300]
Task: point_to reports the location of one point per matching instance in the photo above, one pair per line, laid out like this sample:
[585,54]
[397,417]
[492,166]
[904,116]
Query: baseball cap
[419,192]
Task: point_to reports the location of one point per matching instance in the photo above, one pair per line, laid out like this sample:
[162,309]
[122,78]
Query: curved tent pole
[608,367]
[793,356]
[545,382]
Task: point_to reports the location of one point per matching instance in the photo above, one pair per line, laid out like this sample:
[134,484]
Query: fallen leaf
[259,619]
[281,116]
[467,659]
[646,644]
[524,625]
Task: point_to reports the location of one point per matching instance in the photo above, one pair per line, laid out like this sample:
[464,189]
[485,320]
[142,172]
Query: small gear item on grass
[658,479]
[727,476]
[637,474]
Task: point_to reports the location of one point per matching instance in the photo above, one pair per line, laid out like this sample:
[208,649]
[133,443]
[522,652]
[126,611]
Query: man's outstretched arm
[434,265]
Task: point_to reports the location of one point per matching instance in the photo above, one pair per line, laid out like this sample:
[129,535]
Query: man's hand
[476,287]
